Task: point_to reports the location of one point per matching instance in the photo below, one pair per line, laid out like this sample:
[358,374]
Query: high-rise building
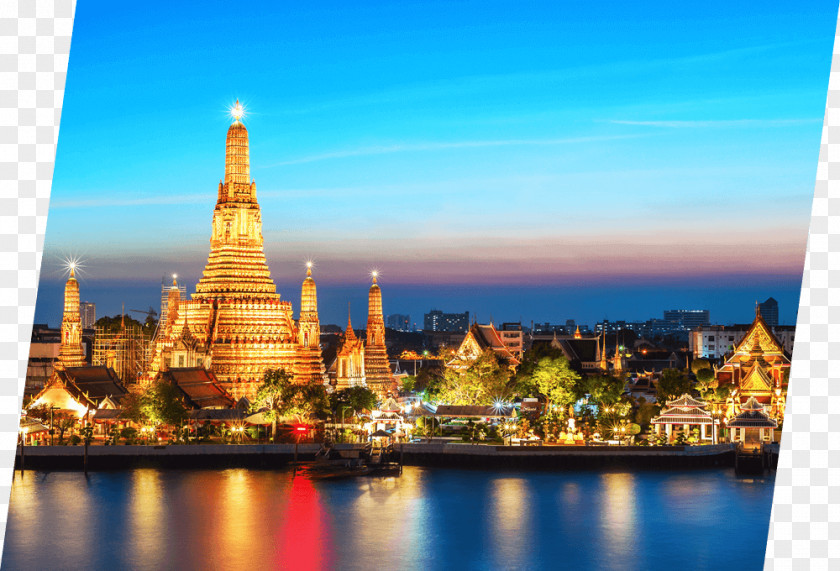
[398,322]
[436,320]
[87,312]
[687,319]
[770,311]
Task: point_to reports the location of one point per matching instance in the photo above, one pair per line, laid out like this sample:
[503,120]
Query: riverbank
[266,456]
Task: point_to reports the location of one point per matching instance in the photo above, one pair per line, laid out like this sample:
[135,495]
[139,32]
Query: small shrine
[753,426]
[686,412]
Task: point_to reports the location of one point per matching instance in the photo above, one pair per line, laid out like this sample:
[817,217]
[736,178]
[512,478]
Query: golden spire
[577,333]
[308,295]
[348,334]
[237,164]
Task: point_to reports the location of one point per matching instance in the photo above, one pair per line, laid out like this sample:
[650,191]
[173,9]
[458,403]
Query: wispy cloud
[718,123]
[441,145]
[107,201]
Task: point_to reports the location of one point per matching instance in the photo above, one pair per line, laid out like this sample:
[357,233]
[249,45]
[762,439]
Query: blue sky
[620,150]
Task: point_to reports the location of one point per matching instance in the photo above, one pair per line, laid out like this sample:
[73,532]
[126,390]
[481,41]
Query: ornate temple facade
[236,324]
[377,369]
[758,368]
[350,361]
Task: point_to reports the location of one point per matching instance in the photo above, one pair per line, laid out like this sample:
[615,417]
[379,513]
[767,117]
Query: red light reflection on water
[303,539]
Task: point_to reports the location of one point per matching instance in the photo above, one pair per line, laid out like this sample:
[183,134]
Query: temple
[236,324]
[758,368]
[377,368]
[482,338]
[309,366]
[71,353]
[348,370]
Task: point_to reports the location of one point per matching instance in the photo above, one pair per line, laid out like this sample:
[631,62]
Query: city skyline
[594,161]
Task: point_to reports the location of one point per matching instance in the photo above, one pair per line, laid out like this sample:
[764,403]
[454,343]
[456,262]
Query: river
[425,519]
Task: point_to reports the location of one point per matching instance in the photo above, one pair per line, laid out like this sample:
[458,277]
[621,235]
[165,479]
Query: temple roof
[686,401]
[683,415]
[199,387]
[96,382]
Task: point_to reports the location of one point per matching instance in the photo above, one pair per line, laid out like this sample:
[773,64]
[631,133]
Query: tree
[162,403]
[604,390]
[672,384]
[704,375]
[699,364]
[356,399]
[483,382]
[555,379]
[408,384]
[269,398]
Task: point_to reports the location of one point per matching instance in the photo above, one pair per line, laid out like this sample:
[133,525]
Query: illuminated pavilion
[236,324]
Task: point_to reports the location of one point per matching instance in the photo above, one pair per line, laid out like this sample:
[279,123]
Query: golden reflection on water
[510,530]
[619,521]
[401,503]
[147,538]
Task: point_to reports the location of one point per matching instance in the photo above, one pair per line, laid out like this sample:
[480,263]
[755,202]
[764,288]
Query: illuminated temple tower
[350,360]
[377,369]
[310,364]
[70,353]
[235,323]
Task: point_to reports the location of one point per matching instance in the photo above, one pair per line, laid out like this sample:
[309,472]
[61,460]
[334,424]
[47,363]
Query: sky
[536,162]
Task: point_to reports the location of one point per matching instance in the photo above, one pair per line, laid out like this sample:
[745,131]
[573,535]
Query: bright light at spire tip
[237,111]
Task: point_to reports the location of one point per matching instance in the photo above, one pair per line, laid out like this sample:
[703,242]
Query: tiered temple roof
[684,410]
[752,415]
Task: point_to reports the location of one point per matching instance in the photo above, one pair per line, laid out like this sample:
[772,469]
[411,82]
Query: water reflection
[618,518]
[146,519]
[510,531]
[426,519]
[303,537]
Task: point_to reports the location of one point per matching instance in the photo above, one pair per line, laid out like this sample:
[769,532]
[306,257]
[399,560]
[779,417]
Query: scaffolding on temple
[164,304]
[125,350]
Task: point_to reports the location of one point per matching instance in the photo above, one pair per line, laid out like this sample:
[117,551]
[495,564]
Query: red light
[301,428]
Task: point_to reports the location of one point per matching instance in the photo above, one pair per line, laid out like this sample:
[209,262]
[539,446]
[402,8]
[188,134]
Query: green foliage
[356,398]
[129,434]
[672,384]
[162,403]
[75,439]
[645,413]
[632,429]
[408,384]
[280,396]
[705,375]
[87,434]
[604,390]
[698,365]
[556,381]
[482,383]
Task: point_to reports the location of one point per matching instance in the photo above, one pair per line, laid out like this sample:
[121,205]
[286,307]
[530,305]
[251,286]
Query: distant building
[479,339]
[716,341]
[511,336]
[436,320]
[687,319]
[87,311]
[398,322]
[770,311]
